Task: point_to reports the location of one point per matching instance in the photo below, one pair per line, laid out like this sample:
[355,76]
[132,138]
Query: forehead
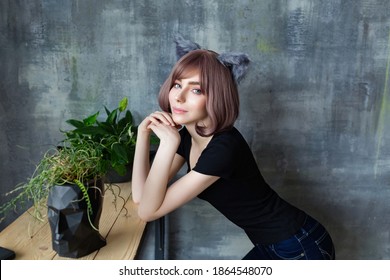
[186,73]
[191,78]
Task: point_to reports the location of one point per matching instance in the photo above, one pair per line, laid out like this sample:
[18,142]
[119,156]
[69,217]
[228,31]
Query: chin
[178,120]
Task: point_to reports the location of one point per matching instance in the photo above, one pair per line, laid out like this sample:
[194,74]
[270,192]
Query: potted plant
[116,134]
[68,180]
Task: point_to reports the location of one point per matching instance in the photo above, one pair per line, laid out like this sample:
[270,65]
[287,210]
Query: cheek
[199,104]
[171,97]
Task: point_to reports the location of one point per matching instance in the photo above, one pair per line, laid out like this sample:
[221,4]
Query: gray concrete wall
[315,105]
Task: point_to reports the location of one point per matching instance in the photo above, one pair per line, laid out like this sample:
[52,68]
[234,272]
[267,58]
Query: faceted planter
[74,231]
[113,177]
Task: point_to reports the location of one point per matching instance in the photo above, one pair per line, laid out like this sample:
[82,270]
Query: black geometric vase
[113,177]
[73,236]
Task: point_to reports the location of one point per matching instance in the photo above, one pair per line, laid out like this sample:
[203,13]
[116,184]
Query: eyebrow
[190,82]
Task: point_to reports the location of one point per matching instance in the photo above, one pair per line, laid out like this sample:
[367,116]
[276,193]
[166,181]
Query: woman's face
[188,102]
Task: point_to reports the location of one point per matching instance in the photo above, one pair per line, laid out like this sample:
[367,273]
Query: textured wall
[315,105]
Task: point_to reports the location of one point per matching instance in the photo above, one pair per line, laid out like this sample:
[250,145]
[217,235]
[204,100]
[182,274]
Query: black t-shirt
[241,194]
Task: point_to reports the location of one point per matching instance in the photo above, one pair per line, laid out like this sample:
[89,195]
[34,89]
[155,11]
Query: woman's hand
[162,124]
[167,134]
[156,118]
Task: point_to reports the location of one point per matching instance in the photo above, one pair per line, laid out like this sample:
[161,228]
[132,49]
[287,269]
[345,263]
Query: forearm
[141,165]
[156,183]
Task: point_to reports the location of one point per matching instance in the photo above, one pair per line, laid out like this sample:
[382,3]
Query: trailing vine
[87,200]
[110,187]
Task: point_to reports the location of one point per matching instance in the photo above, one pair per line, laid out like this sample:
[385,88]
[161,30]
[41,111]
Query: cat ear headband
[237,62]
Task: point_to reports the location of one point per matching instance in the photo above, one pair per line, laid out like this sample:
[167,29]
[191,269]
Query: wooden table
[119,224]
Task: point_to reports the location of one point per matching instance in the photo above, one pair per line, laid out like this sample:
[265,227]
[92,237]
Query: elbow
[136,200]
[136,197]
[146,220]
[145,216]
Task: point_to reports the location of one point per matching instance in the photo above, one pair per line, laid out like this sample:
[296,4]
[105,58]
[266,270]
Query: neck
[197,139]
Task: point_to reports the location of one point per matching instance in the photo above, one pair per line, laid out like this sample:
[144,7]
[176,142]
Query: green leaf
[90,120]
[129,117]
[75,123]
[106,127]
[108,112]
[120,169]
[123,104]
[122,124]
[111,118]
[154,140]
[89,130]
[119,154]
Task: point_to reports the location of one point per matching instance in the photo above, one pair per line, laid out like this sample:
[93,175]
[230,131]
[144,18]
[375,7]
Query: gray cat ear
[237,62]
[184,46]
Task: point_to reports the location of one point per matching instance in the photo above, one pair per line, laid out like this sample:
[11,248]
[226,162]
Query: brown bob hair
[216,82]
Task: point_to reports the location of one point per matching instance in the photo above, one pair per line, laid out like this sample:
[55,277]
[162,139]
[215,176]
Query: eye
[176,85]
[197,91]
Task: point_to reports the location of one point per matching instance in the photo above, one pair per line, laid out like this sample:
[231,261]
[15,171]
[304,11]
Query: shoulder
[226,145]
[231,139]
[222,154]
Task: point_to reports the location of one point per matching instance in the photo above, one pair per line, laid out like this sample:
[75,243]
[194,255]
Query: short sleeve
[219,158]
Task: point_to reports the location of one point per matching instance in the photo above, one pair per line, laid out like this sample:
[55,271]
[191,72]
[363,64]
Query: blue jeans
[311,242]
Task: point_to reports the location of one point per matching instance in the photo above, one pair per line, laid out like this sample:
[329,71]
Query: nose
[61,225]
[179,96]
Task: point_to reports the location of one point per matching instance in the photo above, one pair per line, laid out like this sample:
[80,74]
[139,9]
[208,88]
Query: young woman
[200,104]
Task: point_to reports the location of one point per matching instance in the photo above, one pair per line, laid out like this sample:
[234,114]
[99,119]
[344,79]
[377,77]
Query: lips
[176,110]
